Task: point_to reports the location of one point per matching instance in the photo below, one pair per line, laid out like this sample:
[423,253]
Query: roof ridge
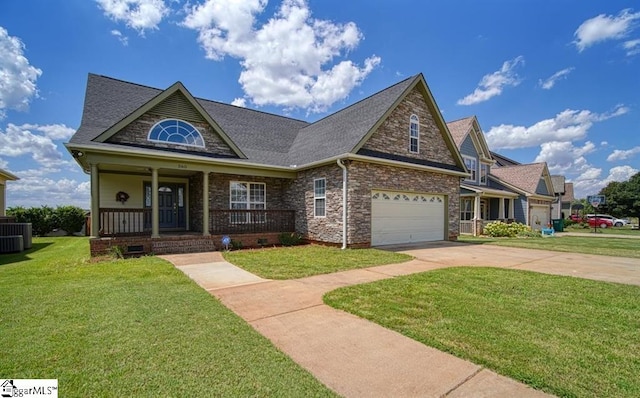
[461,119]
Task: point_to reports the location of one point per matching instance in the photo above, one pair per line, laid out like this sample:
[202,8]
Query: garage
[539,217]
[400,217]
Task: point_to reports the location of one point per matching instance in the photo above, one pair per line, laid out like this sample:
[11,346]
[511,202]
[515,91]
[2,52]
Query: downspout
[344,203]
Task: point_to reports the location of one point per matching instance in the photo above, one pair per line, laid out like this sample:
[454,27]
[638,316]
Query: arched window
[414,134]
[176,131]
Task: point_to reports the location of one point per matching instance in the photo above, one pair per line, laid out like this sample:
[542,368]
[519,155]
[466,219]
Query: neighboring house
[174,173]
[4,177]
[532,183]
[480,203]
[498,188]
[563,197]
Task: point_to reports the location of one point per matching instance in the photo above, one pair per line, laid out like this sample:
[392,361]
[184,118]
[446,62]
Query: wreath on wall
[122,197]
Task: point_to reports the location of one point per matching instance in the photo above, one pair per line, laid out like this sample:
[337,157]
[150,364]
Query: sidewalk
[352,356]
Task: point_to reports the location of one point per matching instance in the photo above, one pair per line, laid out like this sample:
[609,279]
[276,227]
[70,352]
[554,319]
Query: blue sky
[553,81]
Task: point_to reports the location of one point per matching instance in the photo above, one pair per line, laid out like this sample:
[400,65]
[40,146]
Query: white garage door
[539,217]
[398,217]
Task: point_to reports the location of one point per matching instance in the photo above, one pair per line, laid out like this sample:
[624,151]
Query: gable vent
[177,106]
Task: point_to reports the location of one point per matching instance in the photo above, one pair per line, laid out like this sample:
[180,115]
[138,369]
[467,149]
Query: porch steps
[183,244]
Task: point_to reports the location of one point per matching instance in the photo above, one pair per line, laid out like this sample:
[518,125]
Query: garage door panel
[404,218]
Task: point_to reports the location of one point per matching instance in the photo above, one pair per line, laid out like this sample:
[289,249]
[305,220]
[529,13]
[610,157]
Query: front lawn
[617,247]
[307,260]
[567,336]
[136,327]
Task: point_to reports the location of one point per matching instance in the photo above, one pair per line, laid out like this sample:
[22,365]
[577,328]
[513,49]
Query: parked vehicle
[576,218]
[601,220]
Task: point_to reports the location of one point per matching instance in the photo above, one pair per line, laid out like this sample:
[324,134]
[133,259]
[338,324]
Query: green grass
[617,247]
[130,327]
[307,260]
[567,336]
[626,230]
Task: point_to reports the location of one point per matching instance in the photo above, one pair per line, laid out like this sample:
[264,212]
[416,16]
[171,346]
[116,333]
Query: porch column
[95,201]
[476,215]
[511,205]
[205,203]
[501,208]
[155,208]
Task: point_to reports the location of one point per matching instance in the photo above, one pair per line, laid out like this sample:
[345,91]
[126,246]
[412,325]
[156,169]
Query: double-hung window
[472,165]
[249,196]
[414,134]
[319,197]
[484,171]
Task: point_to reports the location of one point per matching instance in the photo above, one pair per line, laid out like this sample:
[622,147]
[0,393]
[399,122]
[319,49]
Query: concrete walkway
[357,358]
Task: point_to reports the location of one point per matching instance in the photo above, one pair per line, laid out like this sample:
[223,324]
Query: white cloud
[605,27]
[623,155]
[284,61]
[241,102]
[17,76]
[590,183]
[551,81]
[563,157]
[122,38]
[35,188]
[493,83]
[25,140]
[568,125]
[136,14]
[632,47]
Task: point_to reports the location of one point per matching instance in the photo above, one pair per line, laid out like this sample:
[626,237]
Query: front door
[171,205]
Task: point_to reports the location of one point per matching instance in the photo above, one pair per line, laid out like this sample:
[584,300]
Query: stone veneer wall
[393,135]
[136,133]
[300,195]
[195,202]
[365,177]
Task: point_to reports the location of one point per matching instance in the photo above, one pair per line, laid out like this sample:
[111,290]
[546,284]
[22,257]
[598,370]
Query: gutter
[344,203]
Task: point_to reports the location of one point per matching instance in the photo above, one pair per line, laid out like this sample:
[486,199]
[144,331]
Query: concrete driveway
[357,358]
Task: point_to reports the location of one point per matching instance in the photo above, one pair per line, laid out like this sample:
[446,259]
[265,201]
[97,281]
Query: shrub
[499,229]
[43,219]
[70,218]
[289,239]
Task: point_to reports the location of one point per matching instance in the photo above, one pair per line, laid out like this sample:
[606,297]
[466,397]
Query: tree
[70,218]
[623,198]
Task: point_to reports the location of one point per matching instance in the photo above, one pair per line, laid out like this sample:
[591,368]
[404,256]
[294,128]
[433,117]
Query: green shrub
[289,239]
[43,219]
[70,218]
[499,229]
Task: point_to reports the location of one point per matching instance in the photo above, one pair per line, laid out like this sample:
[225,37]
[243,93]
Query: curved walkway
[358,358]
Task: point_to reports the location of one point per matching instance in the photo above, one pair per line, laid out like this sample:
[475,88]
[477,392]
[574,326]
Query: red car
[575,218]
[601,222]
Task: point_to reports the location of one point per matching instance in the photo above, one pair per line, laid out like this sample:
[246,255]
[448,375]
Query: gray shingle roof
[525,176]
[263,137]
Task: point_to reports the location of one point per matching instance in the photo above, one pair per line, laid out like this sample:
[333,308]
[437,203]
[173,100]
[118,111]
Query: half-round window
[176,131]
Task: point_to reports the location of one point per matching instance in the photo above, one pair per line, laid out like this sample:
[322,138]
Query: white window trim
[473,172]
[317,197]
[175,143]
[414,119]
[248,202]
[486,175]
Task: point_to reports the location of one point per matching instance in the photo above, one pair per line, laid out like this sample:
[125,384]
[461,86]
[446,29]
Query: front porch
[484,206]
[129,231]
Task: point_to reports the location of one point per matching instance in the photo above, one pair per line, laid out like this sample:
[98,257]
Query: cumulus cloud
[17,76]
[561,157]
[548,83]
[285,61]
[37,141]
[36,187]
[140,15]
[122,38]
[589,182]
[241,102]
[568,125]
[605,27]
[623,154]
[493,83]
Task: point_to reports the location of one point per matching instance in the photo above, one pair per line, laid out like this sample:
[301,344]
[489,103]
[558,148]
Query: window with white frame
[319,197]
[472,165]
[247,196]
[466,209]
[414,134]
[484,171]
